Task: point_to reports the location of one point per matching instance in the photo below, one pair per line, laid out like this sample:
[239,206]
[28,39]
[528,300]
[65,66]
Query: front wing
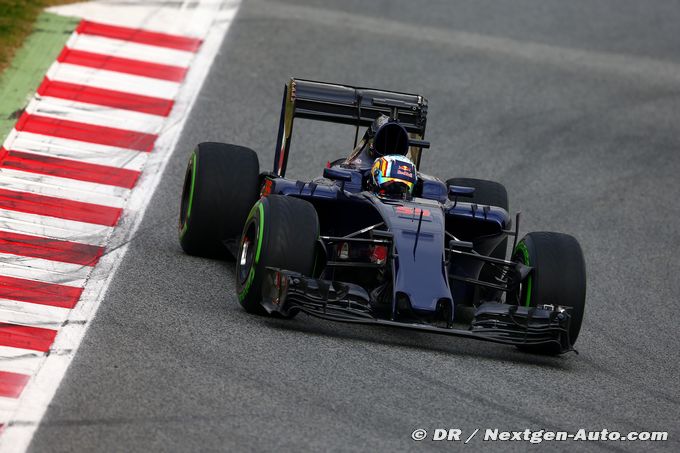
[287,292]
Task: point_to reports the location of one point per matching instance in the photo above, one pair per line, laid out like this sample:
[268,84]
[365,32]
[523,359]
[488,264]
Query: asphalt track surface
[574,106]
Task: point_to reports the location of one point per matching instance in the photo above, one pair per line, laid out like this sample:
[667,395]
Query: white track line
[109,80]
[96,114]
[7,407]
[70,189]
[143,52]
[44,270]
[95,189]
[43,385]
[149,14]
[53,227]
[10,357]
[31,184]
[36,315]
[74,150]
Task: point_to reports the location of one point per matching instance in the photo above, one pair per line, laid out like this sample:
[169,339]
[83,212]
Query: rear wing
[345,105]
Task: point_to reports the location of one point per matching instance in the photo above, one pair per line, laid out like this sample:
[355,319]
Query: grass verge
[30,62]
[16,22]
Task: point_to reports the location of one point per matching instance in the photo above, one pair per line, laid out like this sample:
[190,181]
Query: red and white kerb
[66,171]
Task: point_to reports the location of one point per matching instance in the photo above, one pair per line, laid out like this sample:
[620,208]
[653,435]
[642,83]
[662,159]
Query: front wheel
[558,278]
[280,232]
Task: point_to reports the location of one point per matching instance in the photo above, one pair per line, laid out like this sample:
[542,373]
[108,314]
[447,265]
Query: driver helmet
[393,175]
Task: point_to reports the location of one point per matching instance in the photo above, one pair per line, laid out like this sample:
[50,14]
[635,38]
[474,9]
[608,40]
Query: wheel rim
[187,196]
[524,291]
[246,255]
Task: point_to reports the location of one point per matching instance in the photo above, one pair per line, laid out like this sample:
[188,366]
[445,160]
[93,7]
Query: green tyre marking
[194,164]
[259,232]
[525,252]
[251,275]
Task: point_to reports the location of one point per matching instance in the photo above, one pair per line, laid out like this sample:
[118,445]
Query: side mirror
[461,191]
[337,174]
[418,143]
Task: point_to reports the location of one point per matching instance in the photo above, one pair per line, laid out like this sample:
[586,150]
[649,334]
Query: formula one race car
[375,241]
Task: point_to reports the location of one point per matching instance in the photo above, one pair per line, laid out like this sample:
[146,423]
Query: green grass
[16,22]
[26,69]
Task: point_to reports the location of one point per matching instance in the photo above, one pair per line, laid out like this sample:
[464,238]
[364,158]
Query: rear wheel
[489,193]
[220,186]
[558,278]
[280,232]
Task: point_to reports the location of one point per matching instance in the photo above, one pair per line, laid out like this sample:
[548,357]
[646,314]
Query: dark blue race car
[375,241]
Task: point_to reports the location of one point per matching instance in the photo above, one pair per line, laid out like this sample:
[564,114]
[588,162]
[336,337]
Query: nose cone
[391,138]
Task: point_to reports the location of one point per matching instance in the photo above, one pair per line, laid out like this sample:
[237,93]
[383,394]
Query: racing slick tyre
[280,232]
[558,278]
[220,187]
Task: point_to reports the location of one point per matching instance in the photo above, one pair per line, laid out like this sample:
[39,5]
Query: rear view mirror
[461,191]
[337,174]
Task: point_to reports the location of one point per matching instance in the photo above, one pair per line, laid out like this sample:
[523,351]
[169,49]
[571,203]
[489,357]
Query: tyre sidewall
[249,286]
[558,276]
[287,233]
[224,184]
